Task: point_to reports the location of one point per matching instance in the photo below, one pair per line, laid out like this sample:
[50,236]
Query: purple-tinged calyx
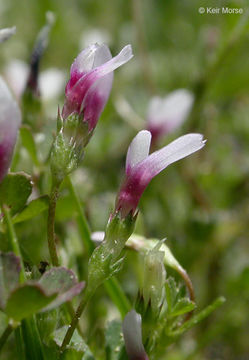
[141,167]
[132,331]
[10,120]
[167,114]
[90,83]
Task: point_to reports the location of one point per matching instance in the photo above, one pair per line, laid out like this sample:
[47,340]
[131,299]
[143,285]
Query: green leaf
[9,275]
[34,208]
[182,306]
[171,293]
[198,317]
[63,282]
[29,143]
[76,343]
[114,341]
[15,190]
[26,300]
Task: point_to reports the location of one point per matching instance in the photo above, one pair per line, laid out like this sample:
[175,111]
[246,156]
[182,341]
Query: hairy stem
[112,285]
[87,295]
[50,225]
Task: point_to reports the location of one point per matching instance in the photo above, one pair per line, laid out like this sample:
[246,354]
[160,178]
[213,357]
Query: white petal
[51,83]
[10,116]
[91,57]
[176,150]
[122,58]
[171,110]
[10,119]
[6,33]
[132,330]
[16,74]
[138,149]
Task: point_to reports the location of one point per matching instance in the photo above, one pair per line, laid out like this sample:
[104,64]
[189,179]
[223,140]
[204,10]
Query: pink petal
[86,90]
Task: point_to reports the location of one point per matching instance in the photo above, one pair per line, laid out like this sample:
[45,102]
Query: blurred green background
[201,204]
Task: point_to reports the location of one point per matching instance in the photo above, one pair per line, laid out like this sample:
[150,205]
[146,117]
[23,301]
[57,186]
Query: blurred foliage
[201,204]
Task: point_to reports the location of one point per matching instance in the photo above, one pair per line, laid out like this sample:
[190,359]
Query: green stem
[82,222]
[13,239]
[5,336]
[117,295]
[32,340]
[75,320]
[197,318]
[112,285]
[50,226]
[19,344]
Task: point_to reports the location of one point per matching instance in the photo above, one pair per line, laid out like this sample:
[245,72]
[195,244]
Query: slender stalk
[5,336]
[50,226]
[31,337]
[74,323]
[30,332]
[13,239]
[141,41]
[117,295]
[188,282]
[112,285]
[19,344]
[82,221]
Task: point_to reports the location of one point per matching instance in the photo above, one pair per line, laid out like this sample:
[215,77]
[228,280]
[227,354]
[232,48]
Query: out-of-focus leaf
[114,341]
[9,275]
[29,143]
[26,300]
[63,282]
[15,190]
[34,208]
[77,344]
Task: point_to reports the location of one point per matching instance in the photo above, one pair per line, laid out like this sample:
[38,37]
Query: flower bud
[67,150]
[132,330]
[154,279]
[10,120]
[90,83]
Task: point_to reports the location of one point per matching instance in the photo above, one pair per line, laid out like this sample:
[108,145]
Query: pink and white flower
[10,120]
[167,114]
[132,331]
[141,167]
[90,83]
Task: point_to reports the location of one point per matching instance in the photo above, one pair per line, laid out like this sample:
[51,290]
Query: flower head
[142,167]
[168,113]
[132,330]
[10,119]
[90,82]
